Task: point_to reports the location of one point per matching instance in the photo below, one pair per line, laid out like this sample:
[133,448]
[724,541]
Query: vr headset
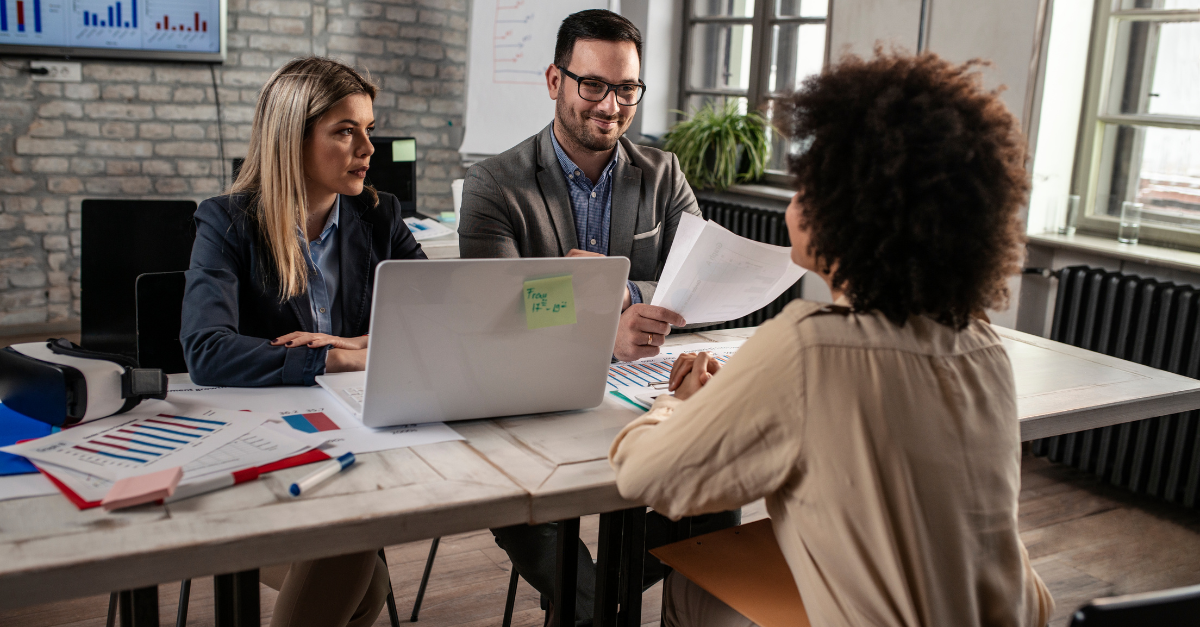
[61,384]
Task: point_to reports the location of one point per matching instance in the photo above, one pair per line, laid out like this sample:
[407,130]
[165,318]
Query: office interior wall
[143,129]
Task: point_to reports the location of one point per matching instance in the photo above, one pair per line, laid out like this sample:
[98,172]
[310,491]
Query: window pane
[1156,69]
[797,51]
[695,102]
[1175,89]
[720,56]
[781,147]
[1160,4]
[803,8]
[724,8]
[1155,166]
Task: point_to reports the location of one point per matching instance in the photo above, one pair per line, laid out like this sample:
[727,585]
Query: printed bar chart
[20,15]
[197,27]
[116,16]
[311,423]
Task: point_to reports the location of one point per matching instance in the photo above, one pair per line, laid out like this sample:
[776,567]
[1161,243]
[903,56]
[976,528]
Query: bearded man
[579,187]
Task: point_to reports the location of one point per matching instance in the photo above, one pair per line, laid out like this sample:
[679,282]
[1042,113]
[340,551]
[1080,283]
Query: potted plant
[719,146]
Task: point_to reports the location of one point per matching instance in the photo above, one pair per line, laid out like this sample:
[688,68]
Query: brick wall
[138,129]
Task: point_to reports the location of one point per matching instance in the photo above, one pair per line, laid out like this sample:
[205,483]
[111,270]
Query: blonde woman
[279,289]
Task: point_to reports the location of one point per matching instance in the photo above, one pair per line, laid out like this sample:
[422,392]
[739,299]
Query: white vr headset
[62,384]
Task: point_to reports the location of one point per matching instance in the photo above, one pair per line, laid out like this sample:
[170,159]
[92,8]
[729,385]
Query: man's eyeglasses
[594,90]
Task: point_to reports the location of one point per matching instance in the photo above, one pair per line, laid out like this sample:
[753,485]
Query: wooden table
[515,470]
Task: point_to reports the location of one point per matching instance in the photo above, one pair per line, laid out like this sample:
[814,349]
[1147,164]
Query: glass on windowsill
[1130,225]
[1072,217]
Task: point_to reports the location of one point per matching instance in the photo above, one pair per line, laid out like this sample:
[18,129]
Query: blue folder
[15,427]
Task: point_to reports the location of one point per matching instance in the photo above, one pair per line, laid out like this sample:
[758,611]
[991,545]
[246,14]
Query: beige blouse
[889,458]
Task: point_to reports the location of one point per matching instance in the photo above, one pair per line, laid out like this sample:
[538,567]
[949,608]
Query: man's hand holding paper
[713,275]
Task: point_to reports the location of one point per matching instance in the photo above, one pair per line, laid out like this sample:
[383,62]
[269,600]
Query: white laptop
[451,340]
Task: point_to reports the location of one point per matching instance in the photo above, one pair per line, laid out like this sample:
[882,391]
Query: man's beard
[581,133]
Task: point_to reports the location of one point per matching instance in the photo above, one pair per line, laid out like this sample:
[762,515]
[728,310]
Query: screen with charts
[159,29]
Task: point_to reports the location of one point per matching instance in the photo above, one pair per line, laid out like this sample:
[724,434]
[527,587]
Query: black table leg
[566,572]
[633,566]
[139,608]
[235,599]
[608,569]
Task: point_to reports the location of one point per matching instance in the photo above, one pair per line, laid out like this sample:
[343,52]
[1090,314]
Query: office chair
[122,239]
[1165,608]
[509,603]
[159,313]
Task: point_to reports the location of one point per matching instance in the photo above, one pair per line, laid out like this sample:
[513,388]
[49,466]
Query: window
[753,51]
[1140,136]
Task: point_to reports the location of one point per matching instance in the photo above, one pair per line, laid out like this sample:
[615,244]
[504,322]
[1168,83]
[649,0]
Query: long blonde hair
[294,98]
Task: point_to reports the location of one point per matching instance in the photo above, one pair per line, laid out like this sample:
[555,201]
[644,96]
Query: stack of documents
[85,461]
[713,275]
[425,228]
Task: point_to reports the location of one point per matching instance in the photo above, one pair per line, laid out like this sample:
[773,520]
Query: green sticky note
[549,302]
[404,150]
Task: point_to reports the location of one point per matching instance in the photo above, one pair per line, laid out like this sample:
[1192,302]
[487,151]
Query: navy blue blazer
[231,308]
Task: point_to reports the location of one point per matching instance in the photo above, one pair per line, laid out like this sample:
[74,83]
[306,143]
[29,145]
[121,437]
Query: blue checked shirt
[591,205]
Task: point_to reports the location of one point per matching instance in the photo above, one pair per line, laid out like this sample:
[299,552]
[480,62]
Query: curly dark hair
[910,183]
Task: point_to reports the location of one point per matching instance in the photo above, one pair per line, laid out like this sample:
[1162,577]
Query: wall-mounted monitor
[167,30]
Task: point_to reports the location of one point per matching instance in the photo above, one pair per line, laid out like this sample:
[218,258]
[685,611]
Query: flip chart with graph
[512,44]
[133,444]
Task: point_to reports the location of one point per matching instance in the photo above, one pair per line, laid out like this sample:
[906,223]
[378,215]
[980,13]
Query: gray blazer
[516,204]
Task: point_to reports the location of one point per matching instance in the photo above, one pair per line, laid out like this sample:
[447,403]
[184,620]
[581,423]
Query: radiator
[761,225]
[1145,321]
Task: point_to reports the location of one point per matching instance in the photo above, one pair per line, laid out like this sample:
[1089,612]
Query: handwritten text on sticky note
[549,302]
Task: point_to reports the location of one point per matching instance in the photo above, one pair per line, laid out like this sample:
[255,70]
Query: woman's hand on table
[690,373]
[317,340]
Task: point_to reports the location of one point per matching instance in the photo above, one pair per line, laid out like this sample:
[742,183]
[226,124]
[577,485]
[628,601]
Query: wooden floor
[1086,540]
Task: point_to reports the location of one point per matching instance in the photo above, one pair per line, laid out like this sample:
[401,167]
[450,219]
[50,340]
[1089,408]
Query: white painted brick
[52,165]
[34,146]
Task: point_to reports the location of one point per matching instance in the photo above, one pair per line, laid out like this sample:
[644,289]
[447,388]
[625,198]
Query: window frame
[762,26]
[1090,167]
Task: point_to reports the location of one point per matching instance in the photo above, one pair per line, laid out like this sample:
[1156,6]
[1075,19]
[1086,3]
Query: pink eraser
[142,489]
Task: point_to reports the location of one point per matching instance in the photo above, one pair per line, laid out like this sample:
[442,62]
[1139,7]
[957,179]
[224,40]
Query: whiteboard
[512,44]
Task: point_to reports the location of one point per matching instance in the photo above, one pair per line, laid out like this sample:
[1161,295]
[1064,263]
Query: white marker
[325,471]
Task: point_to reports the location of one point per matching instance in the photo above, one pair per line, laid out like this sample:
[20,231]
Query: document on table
[312,410]
[25,486]
[713,275]
[271,441]
[139,442]
[425,228]
[655,372]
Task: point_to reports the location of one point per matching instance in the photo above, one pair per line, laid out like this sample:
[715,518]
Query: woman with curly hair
[882,430]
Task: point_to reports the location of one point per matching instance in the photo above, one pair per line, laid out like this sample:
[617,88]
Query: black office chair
[509,603]
[122,239]
[159,311]
[1179,607]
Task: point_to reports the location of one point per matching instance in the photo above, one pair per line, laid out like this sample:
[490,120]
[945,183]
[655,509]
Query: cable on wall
[212,69]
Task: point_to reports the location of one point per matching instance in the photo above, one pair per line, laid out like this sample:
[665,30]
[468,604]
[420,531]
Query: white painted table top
[523,469]
[49,550]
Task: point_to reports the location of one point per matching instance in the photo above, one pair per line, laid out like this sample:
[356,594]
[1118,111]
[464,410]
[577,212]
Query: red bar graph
[20,15]
[197,27]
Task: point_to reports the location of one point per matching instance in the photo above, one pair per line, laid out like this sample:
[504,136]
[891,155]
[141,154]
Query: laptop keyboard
[355,393]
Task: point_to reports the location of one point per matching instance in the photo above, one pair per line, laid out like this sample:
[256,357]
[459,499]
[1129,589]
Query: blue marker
[323,472]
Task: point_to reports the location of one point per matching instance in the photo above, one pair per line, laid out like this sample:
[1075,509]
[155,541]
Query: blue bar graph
[3,15]
[118,16]
[37,15]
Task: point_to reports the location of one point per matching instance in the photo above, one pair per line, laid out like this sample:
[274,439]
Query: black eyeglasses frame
[610,88]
